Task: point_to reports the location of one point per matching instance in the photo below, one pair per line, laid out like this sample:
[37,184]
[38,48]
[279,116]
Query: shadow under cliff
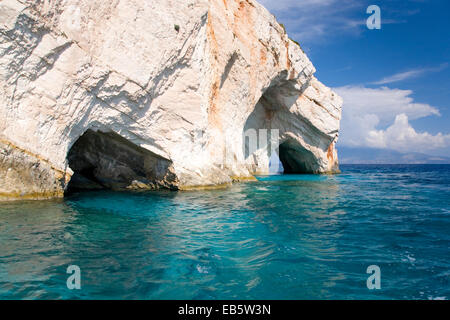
[105,160]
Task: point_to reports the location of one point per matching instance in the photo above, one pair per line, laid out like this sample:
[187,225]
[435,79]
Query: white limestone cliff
[130,94]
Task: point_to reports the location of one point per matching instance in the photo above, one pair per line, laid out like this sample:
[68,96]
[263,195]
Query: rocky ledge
[154,94]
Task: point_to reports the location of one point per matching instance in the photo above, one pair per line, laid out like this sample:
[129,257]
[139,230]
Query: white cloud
[409,74]
[403,137]
[383,102]
[400,77]
[379,118]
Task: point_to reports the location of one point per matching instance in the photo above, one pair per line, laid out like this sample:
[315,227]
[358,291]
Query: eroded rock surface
[169,87]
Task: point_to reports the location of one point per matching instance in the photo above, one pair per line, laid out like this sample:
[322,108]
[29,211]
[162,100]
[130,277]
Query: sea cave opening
[268,144]
[295,159]
[106,160]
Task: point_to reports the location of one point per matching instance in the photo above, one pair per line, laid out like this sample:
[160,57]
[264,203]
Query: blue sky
[395,81]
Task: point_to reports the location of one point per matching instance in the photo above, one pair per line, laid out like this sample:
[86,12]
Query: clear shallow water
[284,237]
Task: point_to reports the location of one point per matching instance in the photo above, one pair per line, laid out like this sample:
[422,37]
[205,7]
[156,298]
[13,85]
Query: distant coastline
[348,155]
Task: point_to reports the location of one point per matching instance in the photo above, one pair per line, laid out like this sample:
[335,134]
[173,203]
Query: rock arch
[274,121]
[260,138]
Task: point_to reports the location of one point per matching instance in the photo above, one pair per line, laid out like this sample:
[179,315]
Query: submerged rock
[153,94]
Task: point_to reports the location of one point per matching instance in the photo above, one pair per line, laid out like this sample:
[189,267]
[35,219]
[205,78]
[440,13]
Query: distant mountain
[348,155]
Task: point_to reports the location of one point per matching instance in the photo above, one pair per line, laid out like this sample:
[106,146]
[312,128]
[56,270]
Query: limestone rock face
[130,94]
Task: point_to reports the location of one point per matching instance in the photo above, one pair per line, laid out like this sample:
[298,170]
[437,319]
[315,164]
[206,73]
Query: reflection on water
[284,237]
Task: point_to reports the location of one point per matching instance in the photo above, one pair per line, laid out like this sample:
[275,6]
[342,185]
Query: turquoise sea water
[284,237]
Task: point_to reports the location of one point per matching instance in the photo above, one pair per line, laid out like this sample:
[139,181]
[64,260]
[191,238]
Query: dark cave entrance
[296,160]
[106,160]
